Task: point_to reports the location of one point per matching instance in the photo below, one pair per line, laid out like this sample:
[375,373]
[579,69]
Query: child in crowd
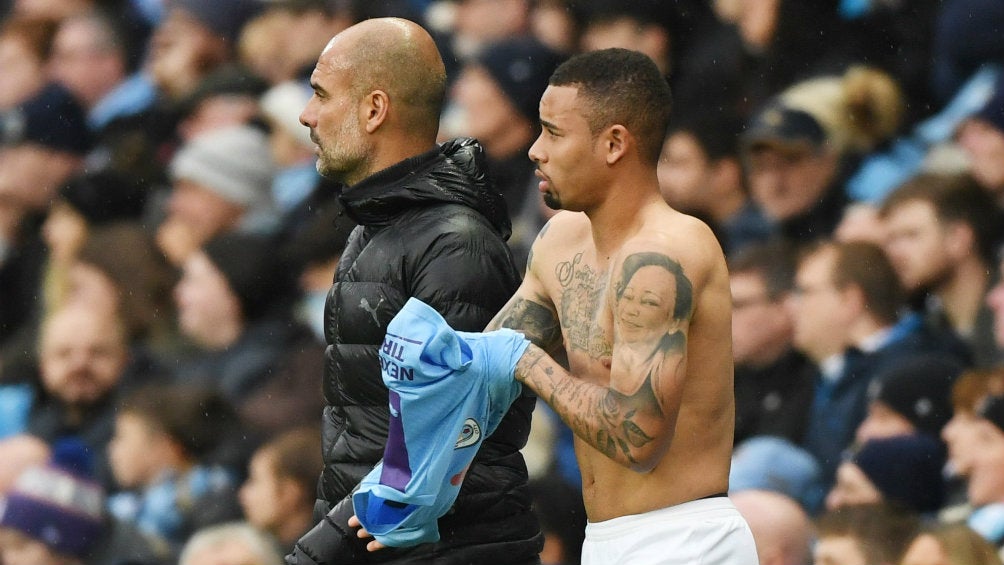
[278,496]
[161,454]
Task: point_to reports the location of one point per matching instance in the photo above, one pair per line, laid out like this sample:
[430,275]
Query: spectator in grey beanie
[221,181]
[912,396]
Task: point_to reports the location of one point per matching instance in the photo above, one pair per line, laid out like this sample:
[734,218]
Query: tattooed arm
[530,312]
[631,420]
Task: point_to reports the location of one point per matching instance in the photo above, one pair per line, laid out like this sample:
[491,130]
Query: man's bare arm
[533,319]
[631,420]
[529,311]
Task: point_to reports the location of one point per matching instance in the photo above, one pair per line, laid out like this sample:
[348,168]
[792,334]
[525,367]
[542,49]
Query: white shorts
[709,531]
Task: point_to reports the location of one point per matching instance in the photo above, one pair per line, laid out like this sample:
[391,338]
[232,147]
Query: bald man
[432,227]
[781,528]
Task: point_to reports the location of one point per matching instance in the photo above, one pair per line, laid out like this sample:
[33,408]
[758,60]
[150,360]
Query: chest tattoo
[582,289]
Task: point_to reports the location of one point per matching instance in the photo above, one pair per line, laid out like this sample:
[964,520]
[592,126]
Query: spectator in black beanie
[911,397]
[232,303]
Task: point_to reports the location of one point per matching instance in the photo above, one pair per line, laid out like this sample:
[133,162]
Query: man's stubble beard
[351,164]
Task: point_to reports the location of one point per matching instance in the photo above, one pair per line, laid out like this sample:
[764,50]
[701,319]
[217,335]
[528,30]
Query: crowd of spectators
[166,246]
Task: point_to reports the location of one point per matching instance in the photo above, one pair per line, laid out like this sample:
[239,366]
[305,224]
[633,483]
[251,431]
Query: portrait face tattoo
[645,307]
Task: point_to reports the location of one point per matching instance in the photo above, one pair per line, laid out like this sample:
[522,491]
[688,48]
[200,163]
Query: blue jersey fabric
[448,391]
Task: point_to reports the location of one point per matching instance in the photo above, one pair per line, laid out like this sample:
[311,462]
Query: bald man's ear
[616,142]
[376,108]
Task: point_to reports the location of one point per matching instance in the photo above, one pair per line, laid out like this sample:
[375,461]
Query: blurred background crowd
[166,246]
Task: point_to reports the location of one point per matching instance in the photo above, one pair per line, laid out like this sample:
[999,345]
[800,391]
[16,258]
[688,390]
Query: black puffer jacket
[434,228]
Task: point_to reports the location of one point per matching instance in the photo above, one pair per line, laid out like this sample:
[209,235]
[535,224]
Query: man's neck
[620,215]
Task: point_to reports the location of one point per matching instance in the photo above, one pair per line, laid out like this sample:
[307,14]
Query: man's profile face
[915,244]
[569,163]
[332,114]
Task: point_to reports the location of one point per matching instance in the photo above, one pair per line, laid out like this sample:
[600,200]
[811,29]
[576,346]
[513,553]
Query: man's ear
[616,142]
[375,108]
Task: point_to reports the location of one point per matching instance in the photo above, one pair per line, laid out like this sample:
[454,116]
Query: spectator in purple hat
[53,517]
[50,517]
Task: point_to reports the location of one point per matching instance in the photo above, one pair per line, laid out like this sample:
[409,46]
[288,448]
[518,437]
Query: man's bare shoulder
[563,232]
[687,239]
[565,226]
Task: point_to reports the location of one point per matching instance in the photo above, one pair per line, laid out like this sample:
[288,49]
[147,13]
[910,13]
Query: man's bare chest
[580,292]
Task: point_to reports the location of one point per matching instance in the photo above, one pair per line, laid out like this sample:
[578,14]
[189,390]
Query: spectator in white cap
[221,182]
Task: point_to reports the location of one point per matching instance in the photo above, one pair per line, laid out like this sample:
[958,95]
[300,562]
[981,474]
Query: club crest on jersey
[470,434]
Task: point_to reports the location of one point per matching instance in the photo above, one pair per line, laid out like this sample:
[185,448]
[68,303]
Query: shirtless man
[638,296]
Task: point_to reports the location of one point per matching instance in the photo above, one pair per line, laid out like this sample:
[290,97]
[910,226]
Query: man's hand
[363,534]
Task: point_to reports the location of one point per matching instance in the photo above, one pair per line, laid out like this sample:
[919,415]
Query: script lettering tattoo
[582,291]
